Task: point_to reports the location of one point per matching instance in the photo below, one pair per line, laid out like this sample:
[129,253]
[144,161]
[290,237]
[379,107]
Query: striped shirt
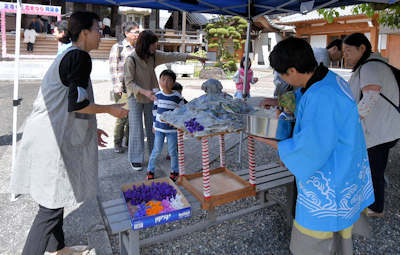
[165,102]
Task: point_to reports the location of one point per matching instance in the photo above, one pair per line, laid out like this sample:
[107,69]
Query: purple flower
[192,125]
[143,194]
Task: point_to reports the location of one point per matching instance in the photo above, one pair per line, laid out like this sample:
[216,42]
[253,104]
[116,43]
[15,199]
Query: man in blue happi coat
[326,154]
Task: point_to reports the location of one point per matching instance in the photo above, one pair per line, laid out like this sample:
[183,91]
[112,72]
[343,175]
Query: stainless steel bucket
[267,127]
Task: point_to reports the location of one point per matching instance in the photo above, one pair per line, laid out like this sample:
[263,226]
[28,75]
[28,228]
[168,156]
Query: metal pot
[268,127]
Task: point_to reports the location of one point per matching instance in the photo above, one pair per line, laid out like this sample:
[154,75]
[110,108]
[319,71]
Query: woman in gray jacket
[57,158]
[370,82]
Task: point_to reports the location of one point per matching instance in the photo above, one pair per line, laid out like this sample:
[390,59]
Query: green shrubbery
[199,53]
[219,33]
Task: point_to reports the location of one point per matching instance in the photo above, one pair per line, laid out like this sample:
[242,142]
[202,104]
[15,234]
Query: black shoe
[150,176]
[174,176]
[136,166]
[118,148]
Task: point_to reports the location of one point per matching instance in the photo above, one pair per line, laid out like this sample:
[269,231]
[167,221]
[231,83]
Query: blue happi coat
[328,156]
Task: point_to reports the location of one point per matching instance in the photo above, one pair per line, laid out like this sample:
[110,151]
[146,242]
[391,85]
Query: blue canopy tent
[245,8]
[249,9]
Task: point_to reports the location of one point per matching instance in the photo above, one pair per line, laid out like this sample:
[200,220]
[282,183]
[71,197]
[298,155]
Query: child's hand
[255,79]
[100,141]
[287,111]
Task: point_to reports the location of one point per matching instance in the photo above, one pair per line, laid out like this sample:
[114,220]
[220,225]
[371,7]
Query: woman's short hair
[77,22]
[358,39]
[293,52]
[145,39]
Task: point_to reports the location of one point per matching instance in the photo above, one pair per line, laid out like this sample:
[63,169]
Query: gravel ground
[265,231]
[261,232]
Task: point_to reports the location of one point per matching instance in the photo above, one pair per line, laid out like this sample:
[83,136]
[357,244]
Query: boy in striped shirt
[167,100]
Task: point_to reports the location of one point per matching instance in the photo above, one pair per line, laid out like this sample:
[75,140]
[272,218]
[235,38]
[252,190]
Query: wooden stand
[225,187]
[213,187]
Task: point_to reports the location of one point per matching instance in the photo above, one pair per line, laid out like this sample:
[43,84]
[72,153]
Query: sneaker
[136,166]
[174,176]
[118,148]
[168,157]
[150,176]
[371,213]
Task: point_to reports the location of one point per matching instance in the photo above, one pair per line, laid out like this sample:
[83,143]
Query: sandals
[371,213]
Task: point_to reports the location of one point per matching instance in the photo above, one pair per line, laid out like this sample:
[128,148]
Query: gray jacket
[139,73]
[57,160]
[382,124]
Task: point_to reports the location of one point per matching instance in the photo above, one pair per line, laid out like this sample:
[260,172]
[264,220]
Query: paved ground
[263,232]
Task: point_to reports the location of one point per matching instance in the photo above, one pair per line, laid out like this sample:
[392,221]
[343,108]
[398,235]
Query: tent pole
[246,70]
[16,84]
[246,54]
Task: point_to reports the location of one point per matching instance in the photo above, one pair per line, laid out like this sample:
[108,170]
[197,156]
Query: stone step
[47,45]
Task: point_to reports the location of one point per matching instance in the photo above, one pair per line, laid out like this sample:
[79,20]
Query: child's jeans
[172,140]
[239,94]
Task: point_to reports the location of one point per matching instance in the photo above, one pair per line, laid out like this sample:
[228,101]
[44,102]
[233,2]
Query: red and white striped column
[206,168]
[181,153]
[222,150]
[252,161]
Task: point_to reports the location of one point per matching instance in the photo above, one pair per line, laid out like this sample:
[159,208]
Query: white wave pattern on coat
[317,195]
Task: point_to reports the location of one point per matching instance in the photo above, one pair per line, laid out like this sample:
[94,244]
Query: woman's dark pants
[46,232]
[378,157]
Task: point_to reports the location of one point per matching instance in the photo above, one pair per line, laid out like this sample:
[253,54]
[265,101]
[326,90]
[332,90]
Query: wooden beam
[183,46]
[175,20]
[332,28]
[374,32]
[265,24]
[322,20]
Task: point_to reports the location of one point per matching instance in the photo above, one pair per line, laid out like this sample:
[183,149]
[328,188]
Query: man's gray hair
[128,26]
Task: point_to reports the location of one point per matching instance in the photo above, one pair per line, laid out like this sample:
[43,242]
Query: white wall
[258,49]
[164,16]
[318,41]
[382,41]
[368,35]
[275,38]
[261,50]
